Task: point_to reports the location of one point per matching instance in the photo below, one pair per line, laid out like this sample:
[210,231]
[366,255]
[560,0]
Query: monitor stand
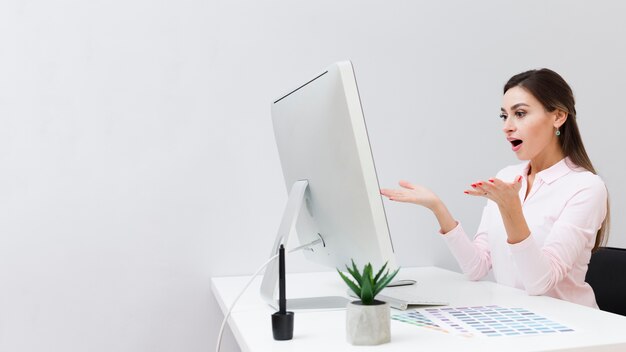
[270,277]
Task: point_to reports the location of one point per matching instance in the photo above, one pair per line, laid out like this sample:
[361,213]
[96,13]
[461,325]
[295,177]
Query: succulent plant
[367,286]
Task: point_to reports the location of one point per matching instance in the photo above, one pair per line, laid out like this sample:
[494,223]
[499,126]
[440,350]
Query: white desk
[325,330]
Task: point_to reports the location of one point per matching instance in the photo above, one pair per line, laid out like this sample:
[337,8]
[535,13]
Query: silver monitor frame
[329,171]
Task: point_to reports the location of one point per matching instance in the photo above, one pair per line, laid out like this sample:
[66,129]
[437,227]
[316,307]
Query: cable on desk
[219,337]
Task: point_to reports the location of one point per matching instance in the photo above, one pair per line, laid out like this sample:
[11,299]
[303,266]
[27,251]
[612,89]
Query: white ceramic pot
[368,325]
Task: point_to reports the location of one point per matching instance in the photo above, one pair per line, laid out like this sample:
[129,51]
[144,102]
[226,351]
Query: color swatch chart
[482,321]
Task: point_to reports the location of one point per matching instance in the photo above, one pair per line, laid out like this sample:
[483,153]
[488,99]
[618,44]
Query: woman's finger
[406,184]
[489,186]
[480,186]
[517,185]
[389,193]
[396,193]
[484,189]
[475,192]
[496,181]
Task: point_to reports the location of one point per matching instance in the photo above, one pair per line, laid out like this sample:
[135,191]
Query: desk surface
[325,330]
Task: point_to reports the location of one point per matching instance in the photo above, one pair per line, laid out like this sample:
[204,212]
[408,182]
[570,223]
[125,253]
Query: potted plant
[368,320]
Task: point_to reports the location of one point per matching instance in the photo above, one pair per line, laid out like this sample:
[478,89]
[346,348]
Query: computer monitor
[327,163]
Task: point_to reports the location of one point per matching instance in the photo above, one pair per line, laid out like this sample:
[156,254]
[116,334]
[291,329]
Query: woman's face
[527,125]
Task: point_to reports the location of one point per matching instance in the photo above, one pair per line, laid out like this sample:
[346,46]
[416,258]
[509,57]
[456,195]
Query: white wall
[137,156]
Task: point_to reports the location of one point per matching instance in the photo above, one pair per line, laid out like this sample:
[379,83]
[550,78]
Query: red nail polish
[480,183]
[491,180]
[474,185]
[466,192]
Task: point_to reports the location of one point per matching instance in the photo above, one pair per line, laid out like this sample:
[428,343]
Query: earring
[558,133]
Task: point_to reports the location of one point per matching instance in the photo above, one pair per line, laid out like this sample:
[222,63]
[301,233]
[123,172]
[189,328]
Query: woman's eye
[520,113]
[503,116]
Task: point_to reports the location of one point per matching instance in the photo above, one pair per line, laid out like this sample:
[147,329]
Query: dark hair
[554,93]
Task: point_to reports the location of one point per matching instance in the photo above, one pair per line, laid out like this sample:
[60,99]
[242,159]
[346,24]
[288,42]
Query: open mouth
[516,143]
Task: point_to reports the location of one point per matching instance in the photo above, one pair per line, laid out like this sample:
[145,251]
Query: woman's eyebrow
[518,105]
[515,106]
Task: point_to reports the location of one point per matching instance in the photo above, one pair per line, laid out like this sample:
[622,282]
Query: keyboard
[403,298]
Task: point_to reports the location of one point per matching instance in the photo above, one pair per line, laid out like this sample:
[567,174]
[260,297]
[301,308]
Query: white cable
[219,337]
[305,246]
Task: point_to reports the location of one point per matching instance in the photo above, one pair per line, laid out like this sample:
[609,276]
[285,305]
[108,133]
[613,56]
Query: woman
[543,217]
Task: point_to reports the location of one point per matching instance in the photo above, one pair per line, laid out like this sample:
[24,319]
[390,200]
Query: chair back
[607,277]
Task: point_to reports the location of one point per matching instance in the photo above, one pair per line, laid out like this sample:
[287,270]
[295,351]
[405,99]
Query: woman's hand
[504,194]
[410,193]
[419,195]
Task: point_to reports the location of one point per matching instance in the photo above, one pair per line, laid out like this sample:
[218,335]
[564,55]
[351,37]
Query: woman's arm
[506,196]
[541,268]
[474,257]
[514,222]
[445,219]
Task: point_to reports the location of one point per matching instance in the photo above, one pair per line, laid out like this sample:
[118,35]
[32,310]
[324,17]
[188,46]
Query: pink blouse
[564,210]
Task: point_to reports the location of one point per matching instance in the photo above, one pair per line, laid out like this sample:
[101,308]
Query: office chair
[607,277]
